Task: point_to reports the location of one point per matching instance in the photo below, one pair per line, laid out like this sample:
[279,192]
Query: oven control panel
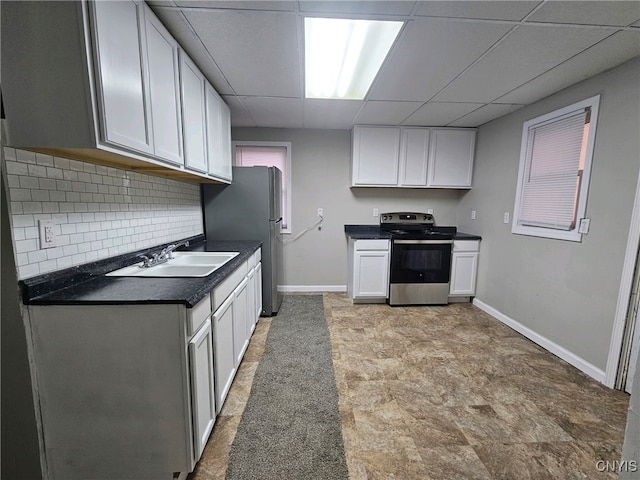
[408,218]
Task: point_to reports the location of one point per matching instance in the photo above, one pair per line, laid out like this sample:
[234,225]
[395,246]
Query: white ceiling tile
[619,13]
[257,52]
[286,6]
[274,112]
[183,33]
[526,53]
[429,55]
[240,117]
[612,51]
[435,114]
[385,113]
[320,113]
[484,114]
[361,7]
[488,10]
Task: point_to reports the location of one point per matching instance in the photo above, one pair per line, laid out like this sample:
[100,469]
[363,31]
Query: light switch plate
[584,225]
[505,219]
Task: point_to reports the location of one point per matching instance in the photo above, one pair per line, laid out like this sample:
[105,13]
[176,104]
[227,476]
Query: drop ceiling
[455,63]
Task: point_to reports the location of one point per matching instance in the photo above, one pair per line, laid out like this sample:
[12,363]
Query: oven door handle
[423,242]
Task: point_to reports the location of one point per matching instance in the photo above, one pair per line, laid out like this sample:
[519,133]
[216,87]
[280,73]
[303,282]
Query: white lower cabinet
[464,268]
[258,281]
[234,318]
[368,270]
[240,318]
[132,391]
[202,386]
[225,363]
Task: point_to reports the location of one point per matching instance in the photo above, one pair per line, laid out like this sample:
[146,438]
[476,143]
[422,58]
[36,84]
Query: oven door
[421,261]
[420,271]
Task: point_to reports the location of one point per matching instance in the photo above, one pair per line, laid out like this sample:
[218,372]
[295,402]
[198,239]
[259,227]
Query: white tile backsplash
[99,211]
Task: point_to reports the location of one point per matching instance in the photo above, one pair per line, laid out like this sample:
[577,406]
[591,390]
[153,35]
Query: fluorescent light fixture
[342,57]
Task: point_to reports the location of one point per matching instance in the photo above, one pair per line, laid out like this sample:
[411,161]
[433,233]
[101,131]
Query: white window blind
[268,156]
[553,171]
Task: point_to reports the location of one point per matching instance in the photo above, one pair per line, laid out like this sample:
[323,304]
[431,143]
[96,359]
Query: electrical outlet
[505,219]
[47,233]
[473,214]
[376,212]
[320,212]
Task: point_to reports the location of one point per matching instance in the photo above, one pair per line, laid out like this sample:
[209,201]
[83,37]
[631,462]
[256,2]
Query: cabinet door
[414,157]
[218,135]
[371,274]
[451,157]
[202,389]
[258,307]
[375,155]
[240,337]
[164,88]
[224,358]
[121,75]
[251,302]
[464,266]
[192,84]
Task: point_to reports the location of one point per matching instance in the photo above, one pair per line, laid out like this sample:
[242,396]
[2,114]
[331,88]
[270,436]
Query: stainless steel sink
[185,264]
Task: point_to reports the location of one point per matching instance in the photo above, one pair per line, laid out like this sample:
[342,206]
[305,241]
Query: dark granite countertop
[467,236]
[87,284]
[368,232]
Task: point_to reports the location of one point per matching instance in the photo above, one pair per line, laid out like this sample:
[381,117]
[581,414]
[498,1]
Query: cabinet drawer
[466,245]
[197,315]
[228,285]
[372,244]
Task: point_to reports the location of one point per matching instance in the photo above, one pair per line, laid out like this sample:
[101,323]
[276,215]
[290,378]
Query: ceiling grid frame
[250,107]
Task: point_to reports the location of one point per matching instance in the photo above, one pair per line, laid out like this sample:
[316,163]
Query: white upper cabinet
[121,76]
[412,157]
[218,135]
[164,89]
[101,81]
[375,156]
[451,157]
[193,114]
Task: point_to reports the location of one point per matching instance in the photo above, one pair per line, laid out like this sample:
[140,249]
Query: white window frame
[287,145]
[571,235]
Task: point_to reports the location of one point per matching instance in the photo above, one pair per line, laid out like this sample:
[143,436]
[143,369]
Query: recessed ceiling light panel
[342,57]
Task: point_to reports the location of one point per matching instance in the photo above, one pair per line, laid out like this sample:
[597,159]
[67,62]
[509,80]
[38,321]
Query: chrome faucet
[167,252]
[161,257]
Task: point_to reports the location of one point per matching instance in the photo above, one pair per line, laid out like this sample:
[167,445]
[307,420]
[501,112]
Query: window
[555,163]
[269,154]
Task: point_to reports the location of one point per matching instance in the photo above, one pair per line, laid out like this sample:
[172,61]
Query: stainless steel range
[420,258]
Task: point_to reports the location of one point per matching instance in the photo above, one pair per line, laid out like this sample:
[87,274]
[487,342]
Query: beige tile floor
[446,393]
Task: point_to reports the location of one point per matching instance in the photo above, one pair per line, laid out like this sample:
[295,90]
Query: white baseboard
[312,288]
[544,342]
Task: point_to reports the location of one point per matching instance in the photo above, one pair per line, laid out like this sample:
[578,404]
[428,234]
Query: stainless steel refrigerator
[250,208]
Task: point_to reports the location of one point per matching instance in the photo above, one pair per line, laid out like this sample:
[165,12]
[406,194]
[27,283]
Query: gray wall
[320,179]
[20,451]
[564,291]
